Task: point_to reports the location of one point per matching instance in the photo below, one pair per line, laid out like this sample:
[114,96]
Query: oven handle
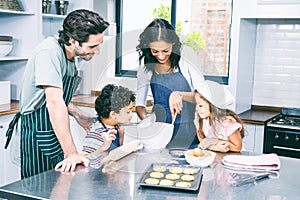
[285,148]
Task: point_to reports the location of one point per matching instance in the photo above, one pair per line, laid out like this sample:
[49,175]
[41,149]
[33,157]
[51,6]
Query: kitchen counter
[256,115]
[259,114]
[119,180]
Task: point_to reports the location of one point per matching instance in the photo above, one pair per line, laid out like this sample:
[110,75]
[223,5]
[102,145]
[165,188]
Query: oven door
[283,142]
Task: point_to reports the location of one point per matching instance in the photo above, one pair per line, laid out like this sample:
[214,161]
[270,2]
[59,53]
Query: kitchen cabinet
[9,170]
[253,139]
[28,28]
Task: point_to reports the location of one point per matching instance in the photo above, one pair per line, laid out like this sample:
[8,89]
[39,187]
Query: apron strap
[11,129]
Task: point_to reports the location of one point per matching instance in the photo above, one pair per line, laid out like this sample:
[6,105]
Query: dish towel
[267,162]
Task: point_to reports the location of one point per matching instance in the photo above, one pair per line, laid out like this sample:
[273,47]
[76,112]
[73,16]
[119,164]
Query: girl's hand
[223,145]
[175,102]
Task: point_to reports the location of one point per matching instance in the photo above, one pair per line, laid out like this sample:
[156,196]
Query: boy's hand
[108,138]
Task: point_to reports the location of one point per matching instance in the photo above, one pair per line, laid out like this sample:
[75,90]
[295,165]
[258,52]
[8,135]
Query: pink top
[222,130]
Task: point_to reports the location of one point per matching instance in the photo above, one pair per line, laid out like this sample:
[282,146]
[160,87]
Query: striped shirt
[94,138]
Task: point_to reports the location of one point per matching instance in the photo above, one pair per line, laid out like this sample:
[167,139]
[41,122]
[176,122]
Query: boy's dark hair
[113,98]
[158,29]
[80,24]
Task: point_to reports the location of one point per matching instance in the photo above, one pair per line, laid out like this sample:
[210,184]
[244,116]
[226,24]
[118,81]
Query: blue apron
[162,85]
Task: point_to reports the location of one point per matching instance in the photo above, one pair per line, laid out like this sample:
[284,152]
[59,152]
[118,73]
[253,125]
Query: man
[50,80]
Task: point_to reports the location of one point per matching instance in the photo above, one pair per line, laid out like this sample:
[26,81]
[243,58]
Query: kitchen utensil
[174,118]
[194,185]
[205,158]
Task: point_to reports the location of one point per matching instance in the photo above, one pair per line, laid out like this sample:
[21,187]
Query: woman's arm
[141,112]
[143,84]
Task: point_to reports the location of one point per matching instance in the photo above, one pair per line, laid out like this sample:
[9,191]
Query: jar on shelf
[46,6]
[61,7]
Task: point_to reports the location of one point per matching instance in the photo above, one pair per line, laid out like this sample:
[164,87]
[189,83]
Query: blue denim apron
[162,85]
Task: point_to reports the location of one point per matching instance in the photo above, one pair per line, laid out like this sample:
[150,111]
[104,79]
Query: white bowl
[155,136]
[205,158]
[5,48]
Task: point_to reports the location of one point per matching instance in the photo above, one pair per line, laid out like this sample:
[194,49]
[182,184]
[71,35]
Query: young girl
[219,129]
[113,106]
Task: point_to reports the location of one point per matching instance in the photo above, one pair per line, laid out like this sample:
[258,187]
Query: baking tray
[195,184]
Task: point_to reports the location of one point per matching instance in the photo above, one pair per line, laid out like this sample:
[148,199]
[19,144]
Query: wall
[277,69]
[249,40]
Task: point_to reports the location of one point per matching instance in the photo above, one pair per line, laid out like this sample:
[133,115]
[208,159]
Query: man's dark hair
[80,24]
[113,98]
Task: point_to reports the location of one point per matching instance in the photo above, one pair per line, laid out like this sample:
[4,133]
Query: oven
[282,133]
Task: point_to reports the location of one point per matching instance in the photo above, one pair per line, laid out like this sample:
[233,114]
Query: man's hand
[70,162]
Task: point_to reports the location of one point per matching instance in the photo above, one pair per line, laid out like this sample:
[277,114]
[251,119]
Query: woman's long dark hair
[158,29]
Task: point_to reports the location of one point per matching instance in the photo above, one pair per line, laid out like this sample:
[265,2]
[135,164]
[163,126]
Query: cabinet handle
[297,138]
[276,136]
[1,126]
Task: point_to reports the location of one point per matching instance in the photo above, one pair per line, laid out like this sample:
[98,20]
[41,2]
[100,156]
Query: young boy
[114,107]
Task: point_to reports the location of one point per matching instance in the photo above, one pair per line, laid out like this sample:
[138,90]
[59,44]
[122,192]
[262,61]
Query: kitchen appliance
[282,133]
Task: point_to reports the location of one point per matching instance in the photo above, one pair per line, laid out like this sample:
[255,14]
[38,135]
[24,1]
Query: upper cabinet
[28,28]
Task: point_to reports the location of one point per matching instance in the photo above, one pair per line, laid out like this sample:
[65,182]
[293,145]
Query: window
[202,24]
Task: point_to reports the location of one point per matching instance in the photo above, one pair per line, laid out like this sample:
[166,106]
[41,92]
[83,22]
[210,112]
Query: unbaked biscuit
[156,175]
[183,184]
[159,168]
[172,176]
[152,181]
[175,170]
[189,171]
[166,182]
[187,178]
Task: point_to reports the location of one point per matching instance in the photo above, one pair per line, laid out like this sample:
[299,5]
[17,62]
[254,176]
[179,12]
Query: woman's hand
[175,102]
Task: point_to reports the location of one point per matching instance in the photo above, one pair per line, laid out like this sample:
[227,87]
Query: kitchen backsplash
[277,63]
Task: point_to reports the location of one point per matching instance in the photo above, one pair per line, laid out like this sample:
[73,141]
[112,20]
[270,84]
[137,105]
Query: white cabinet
[28,28]
[9,171]
[254,136]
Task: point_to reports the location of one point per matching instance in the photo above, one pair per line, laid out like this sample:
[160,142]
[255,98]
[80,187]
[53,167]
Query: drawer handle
[286,148]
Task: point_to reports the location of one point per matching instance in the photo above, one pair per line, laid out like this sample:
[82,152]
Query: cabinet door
[259,138]
[249,138]
[9,171]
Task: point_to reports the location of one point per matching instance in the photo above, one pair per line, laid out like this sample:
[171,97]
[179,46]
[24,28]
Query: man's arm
[59,118]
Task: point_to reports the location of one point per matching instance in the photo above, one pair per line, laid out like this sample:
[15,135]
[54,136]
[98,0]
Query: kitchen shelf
[13,58]
[53,16]
[12,12]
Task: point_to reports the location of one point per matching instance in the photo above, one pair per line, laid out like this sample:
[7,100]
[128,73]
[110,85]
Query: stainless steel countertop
[119,180]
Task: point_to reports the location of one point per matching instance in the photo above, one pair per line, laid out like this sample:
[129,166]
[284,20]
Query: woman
[170,82]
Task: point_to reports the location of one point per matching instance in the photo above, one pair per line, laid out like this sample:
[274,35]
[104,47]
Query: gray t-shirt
[47,66]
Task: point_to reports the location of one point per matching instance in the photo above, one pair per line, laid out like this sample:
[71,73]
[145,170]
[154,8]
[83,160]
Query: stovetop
[288,119]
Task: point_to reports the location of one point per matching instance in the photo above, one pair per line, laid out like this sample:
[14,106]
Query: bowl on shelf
[5,48]
[199,158]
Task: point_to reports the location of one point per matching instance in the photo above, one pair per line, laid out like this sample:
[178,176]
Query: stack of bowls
[6,45]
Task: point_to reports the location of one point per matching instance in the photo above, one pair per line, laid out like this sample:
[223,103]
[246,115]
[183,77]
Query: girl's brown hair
[218,114]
